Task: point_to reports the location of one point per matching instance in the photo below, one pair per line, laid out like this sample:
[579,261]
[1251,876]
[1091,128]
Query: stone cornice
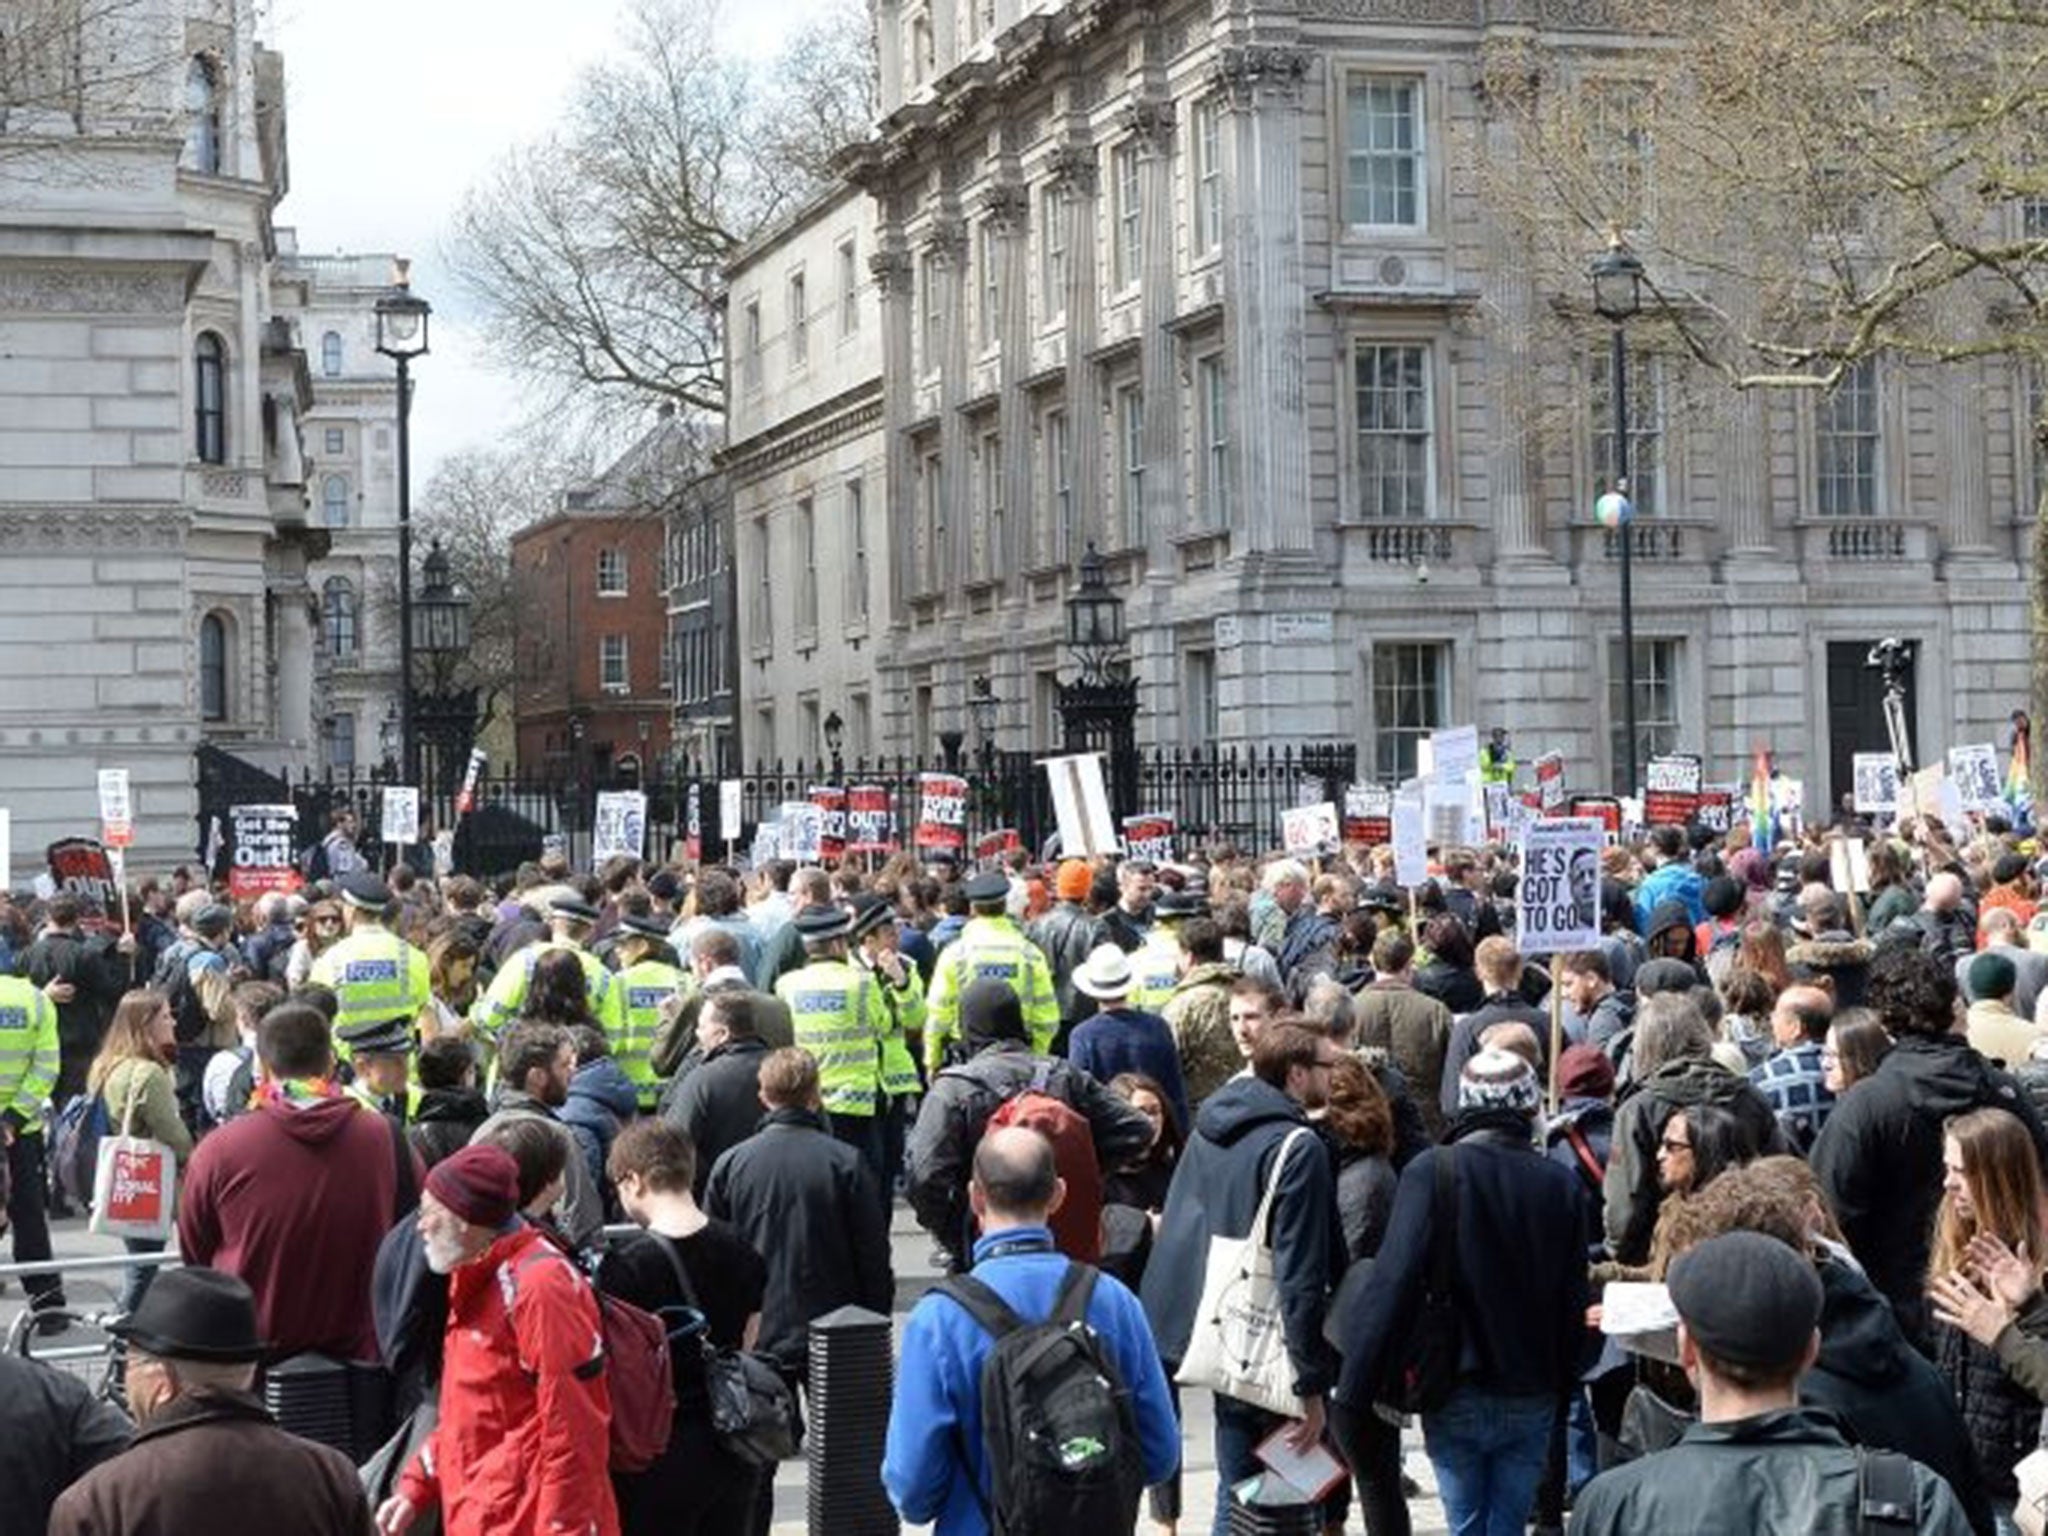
[76,291]
[804,435]
[91,528]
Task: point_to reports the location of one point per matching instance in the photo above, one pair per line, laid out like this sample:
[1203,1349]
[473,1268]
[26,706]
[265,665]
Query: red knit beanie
[479,1184]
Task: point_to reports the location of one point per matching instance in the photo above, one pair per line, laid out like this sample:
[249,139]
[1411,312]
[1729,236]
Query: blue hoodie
[601,1099]
[936,1416]
[1676,881]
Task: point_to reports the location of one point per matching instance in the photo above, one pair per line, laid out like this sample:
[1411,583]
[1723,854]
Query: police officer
[1156,965]
[373,973]
[645,983]
[991,946]
[840,1017]
[381,1056]
[570,923]
[29,1057]
[1497,759]
[875,951]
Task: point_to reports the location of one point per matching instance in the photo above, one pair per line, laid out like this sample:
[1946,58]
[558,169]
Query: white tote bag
[134,1183]
[1239,1343]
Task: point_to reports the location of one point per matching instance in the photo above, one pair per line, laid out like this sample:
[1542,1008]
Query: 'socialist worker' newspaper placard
[1557,904]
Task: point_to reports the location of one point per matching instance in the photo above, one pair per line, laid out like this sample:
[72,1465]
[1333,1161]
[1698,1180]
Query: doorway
[1856,710]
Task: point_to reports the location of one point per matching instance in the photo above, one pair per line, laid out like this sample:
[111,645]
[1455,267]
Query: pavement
[97,1290]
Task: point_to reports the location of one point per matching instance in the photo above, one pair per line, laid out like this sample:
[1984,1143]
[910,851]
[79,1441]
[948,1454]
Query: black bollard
[851,1377]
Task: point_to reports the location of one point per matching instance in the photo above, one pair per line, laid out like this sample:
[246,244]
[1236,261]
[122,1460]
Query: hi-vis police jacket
[992,949]
[507,995]
[841,1019]
[374,976]
[28,1053]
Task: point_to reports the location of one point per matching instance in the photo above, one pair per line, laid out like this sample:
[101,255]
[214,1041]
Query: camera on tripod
[1893,658]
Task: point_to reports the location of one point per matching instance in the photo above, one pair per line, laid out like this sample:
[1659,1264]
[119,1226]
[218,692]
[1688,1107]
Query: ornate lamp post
[402,336]
[985,707]
[1100,709]
[440,631]
[1618,297]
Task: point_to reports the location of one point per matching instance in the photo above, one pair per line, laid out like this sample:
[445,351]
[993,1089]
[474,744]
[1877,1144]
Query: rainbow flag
[1763,825]
[2019,788]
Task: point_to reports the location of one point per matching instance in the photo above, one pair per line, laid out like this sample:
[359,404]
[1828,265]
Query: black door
[1856,711]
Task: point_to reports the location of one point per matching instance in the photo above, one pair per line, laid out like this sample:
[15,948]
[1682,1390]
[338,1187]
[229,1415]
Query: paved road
[914,1273]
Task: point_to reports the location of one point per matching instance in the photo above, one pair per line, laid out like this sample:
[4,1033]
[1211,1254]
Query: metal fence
[1216,796]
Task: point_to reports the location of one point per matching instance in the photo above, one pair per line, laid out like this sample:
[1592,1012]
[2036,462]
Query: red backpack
[1077,1224]
[637,1370]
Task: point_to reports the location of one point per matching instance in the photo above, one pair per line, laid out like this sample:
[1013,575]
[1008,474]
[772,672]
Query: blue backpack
[75,1145]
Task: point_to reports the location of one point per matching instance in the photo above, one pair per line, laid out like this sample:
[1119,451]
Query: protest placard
[1497,798]
[991,846]
[117,815]
[1717,802]
[1452,820]
[1080,805]
[401,807]
[1604,809]
[444,854]
[1557,900]
[731,807]
[261,839]
[1308,831]
[941,812]
[6,849]
[466,801]
[799,830]
[1368,814]
[693,822]
[1973,770]
[1550,780]
[1411,836]
[1876,777]
[1149,837]
[620,830]
[766,846]
[867,819]
[80,866]
[1453,754]
[1849,865]
[1671,789]
[831,803]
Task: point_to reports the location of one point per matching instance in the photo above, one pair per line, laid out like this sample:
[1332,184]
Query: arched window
[213,668]
[209,399]
[334,501]
[338,616]
[202,116]
[330,354]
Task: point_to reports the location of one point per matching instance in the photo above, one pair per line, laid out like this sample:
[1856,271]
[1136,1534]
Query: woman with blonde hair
[131,1075]
[1991,1189]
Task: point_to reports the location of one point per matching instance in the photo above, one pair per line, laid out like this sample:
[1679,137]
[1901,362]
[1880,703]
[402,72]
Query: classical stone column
[895,277]
[1007,205]
[1151,124]
[1511,386]
[1263,319]
[1967,484]
[946,245]
[1074,170]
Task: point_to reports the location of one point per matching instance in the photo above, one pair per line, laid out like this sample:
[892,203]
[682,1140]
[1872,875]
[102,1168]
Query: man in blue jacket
[1674,879]
[934,1466]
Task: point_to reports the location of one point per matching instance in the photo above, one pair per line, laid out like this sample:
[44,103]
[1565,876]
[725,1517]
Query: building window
[857,544]
[750,344]
[334,501]
[1383,153]
[1657,727]
[611,664]
[213,668]
[813,737]
[922,61]
[764,734]
[849,288]
[1391,392]
[202,117]
[764,608]
[988,253]
[1053,251]
[1127,237]
[330,354]
[336,440]
[1645,429]
[799,321]
[1212,407]
[807,552]
[988,460]
[209,399]
[2029,429]
[1410,699]
[1618,150]
[341,740]
[1845,440]
[1059,483]
[1208,174]
[1130,467]
[860,725]
[668,666]
[2034,218]
[611,572]
[338,617]
[933,315]
[932,516]
[1200,717]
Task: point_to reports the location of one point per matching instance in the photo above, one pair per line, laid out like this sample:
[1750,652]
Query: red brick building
[592,691]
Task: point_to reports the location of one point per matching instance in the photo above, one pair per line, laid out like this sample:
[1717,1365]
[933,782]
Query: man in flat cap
[207,1455]
[841,1018]
[1748,1329]
[375,975]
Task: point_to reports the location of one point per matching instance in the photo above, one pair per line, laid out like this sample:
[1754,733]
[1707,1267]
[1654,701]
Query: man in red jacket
[523,1445]
[294,1198]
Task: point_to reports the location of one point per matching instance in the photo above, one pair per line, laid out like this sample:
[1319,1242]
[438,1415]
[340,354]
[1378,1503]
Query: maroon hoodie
[295,1200]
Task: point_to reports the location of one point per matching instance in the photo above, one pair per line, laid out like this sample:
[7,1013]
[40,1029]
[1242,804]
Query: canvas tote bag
[135,1183]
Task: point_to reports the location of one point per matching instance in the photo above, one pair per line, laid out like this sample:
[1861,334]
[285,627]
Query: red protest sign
[79,866]
[1604,809]
[993,845]
[1149,837]
[1368,814]
[1550,781]
[867,819]
[942,811]
[1671,790]
[831,804]
[262,837]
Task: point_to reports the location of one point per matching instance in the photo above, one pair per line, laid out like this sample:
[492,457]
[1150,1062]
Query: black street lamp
[444,715]
[402,336]
[1618,298]
[1100,710]
[835,737]
[985,707]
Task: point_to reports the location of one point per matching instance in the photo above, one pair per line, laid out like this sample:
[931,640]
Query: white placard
[1411,839]
[444,855]
[401,814]
[1557,900]
[1877,783]
[800,831]
[730,810]
[1080,805]
[1849,865]
[115,809]
[1451,816]
[1310,829]
[620,830]
[1974,772]
[6,850]
[1454,753]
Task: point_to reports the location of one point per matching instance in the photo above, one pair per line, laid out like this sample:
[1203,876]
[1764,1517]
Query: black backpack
[173,978]
[1057,1423]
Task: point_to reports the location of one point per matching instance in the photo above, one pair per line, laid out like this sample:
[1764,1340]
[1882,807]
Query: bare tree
[595,252]
[73,71]
[1810,184]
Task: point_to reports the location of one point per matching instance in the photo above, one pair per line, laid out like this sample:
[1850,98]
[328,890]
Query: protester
[52,1432]
[535,1064]
[131,1077]
[718,1105]
[1793,1079]
[601,1099]
[1142,1181]
[684,1258]
[294,1197]
[1413,1028]
[97,969]
[206,1455]
[1995,1029]
[1499,969]
[1856,1043]
[450,1105]
[1748,1309]
[1120,1037]
[1447,974]
[1067,935]
[522,1443]
[935,1466]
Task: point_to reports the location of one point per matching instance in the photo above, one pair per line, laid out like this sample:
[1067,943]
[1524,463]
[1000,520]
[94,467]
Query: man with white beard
[523,1443]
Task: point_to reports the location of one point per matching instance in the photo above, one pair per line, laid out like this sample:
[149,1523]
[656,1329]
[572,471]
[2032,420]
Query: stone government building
[197,515]
[1214,287]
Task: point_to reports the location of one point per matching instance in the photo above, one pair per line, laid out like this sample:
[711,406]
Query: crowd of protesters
[405,1110]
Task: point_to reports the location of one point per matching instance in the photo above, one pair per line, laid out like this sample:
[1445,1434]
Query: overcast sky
[395,107]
